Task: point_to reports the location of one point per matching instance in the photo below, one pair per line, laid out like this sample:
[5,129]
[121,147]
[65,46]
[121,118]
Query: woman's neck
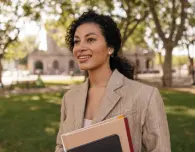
[99,77]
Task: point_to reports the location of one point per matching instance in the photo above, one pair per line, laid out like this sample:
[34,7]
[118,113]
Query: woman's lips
[84,58]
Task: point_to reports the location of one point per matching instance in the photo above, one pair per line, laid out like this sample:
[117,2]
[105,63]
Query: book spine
[128,135]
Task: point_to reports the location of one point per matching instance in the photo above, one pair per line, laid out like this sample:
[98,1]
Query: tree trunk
[193,71]
[191,62]
[191,65]
[167,68]
[1,70]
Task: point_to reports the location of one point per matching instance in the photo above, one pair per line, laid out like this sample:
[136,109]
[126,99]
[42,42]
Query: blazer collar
[108,102]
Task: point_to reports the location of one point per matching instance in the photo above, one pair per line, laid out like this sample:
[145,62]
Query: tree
[135,12]
[130,13]
[169,23]
[13,15]
[187,42]
[188,39]
[20,49]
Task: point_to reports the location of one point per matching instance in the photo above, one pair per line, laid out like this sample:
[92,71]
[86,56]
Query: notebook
[97,133]
[106,144]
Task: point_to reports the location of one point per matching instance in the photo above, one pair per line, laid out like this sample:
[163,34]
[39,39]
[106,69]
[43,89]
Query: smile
[84,58]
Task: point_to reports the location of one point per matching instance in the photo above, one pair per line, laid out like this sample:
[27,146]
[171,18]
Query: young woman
[110,89]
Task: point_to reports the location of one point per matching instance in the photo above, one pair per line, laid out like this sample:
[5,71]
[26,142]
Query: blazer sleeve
[155,135]
[59,146]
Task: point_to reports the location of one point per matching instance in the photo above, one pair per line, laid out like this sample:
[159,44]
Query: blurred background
[36,67]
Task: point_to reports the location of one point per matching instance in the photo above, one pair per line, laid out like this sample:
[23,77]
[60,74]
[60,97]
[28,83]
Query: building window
[38,67]
[137,66]
[71,65]
[55,65]
[148,64]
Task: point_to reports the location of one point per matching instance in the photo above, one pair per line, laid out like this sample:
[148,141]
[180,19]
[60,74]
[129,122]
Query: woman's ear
[110,51]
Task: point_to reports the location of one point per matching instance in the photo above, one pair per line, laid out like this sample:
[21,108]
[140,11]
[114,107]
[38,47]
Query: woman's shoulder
[137,83]
[138,86]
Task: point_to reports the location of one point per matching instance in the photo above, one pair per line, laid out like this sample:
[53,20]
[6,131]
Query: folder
[98,134]
[106,144]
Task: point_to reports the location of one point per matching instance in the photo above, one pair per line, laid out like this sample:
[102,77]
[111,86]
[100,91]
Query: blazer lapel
[110,98]
[79,104]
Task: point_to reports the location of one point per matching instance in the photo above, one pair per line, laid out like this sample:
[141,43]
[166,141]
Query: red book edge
[128,134]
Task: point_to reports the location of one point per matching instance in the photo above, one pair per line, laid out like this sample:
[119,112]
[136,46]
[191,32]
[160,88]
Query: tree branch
[156,20]
[173,25]
[11,40]
[181,27]
[130,31]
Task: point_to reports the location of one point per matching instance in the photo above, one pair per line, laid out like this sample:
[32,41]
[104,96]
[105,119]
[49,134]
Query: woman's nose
[82,46]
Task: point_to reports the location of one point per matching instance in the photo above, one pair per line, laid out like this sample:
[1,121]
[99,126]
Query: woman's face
[90,48]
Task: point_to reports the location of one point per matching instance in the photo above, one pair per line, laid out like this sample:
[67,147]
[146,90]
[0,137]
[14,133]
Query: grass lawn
[29,123]
[180,107]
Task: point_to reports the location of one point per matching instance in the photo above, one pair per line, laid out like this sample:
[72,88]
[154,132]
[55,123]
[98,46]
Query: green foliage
[39,82]
[11,52]
[157,58]
[180,60]
[133,13]
[20,49]
[176,61]
[57,32]
[14,15]
[137,39]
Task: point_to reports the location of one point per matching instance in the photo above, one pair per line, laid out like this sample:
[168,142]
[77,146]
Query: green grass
[180,108]
[29,123]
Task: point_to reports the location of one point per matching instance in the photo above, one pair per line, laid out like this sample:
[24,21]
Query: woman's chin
[85,68]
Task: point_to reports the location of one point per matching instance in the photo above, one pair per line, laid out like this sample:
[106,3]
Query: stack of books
[111,135]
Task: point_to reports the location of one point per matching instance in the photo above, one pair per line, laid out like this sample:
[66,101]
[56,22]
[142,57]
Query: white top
[87,122]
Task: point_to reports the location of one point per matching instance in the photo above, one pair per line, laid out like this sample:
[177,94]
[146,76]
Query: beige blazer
[140,103]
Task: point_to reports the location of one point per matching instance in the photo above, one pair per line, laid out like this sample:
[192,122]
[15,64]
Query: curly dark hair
[112,36]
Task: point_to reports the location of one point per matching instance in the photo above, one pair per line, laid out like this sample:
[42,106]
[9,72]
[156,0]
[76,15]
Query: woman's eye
[91,39]
[76,41]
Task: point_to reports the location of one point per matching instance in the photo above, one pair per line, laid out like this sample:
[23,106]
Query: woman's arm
[156,136]
[59,146]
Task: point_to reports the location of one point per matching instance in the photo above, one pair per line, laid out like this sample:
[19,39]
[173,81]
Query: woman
[109,90]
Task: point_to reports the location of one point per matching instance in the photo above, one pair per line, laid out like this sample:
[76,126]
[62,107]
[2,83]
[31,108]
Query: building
[58,60]
[143,59]
[54,61]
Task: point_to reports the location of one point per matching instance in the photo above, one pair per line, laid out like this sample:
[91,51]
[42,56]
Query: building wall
[63,67]
[142,62]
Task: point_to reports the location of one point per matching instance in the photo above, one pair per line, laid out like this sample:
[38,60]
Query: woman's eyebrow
[76,36]
[90,34]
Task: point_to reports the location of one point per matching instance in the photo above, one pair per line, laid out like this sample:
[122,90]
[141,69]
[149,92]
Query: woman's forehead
[87,29]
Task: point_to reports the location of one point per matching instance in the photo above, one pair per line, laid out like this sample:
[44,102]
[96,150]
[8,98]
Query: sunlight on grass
[35,98]
[54,124]
[34,108]
[180,110]
[24,99]
[2,149]
[7,96]
[49,130]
